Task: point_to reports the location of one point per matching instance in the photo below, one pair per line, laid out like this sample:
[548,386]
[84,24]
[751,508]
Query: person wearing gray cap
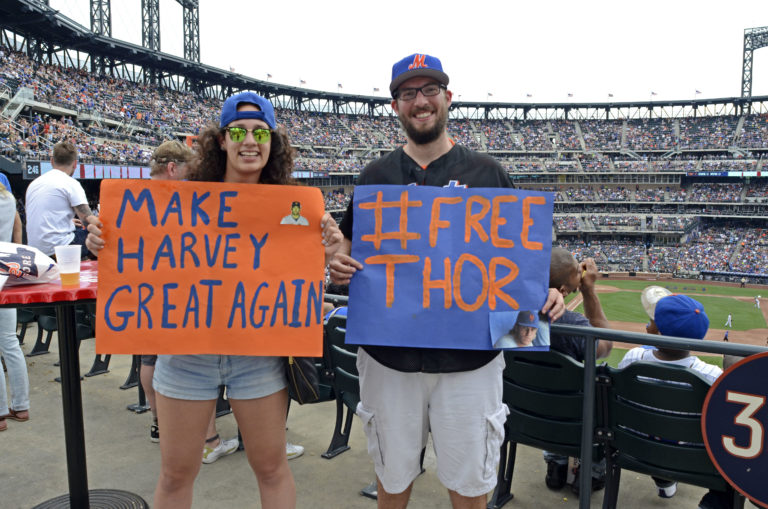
[407,393]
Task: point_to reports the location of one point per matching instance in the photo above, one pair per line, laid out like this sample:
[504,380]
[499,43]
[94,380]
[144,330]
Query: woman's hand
[94,242]
[332,236]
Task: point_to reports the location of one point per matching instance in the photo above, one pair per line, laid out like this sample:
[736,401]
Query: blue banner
[443,263]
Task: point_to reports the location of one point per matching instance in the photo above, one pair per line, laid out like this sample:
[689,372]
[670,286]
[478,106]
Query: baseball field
[620,300]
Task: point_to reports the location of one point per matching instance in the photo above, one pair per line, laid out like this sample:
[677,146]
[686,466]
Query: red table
[64,300]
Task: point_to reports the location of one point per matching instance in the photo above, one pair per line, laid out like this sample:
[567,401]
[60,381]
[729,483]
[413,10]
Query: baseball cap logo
[418,62]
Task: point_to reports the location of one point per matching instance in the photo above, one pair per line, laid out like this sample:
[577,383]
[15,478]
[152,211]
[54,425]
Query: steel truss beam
[191,30]
[101,24]
[754,38]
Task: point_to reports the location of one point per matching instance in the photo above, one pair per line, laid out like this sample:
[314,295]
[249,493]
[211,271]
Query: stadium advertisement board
[210,268]
[86,171]
[445,267]
[734,422]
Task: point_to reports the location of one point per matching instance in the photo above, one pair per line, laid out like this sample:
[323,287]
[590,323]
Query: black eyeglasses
[409,94]
[237,134]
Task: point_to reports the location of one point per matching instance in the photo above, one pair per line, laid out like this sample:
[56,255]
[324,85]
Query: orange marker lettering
[472,221]
[437,284]
[496,286]
[435,223]
[528,222]
[497,221]
[403,235]
[390,261]
[466,257]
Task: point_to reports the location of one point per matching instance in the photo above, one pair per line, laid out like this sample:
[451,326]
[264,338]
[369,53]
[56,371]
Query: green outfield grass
[688,288]
[618,353]
[626,307]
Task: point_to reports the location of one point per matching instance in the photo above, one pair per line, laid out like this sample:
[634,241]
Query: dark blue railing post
[588,424]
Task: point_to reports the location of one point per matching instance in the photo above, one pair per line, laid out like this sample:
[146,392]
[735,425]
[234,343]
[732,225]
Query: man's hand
[343,266]
[554,306]
[93,241]
[589,272]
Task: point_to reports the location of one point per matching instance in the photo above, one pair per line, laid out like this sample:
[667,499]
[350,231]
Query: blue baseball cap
[528,319]
[229,111]
[415,65]
[681,316]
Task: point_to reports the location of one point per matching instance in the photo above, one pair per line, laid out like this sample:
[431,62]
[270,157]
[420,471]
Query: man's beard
[423,137]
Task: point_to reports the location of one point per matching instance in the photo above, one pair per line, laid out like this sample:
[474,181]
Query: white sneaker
[293,450]
[225,447]
[666,490]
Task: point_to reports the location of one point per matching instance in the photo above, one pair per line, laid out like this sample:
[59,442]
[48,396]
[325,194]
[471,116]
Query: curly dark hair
[211,162]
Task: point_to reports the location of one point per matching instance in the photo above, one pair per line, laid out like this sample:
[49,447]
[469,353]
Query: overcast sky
[506,48]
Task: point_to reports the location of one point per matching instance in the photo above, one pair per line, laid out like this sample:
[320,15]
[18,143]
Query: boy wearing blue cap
[683,317]
[407,393]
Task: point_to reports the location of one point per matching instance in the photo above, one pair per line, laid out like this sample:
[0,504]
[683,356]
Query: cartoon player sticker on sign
[734,423]
[295,216]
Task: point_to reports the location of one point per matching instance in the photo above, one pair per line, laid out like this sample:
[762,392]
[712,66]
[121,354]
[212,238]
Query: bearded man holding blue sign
[427,363]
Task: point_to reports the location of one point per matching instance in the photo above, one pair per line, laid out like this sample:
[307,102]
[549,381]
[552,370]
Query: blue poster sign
[734,424]
[442,263]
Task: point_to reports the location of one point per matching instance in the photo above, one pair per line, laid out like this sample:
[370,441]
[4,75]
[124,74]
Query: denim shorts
[198,377]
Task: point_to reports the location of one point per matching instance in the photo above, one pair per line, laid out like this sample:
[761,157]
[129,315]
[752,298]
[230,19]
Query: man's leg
[462,502]
[393,410]
[392,500]
[466,417]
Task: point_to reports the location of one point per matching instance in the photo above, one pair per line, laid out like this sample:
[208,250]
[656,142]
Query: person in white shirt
[52,201]
[678,316]
[728,322]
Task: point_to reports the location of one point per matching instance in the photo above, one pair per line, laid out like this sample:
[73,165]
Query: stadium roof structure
[50,37]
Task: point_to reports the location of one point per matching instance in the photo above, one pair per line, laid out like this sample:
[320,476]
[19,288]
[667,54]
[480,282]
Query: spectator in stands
[52,201]
[678,316]
[566,275]
[170,161]
[246,147]
[15,363]
[396,382]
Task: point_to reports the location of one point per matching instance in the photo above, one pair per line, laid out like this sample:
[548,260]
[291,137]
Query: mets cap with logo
[229,111]
[528,319]
[681,316]
[412,66]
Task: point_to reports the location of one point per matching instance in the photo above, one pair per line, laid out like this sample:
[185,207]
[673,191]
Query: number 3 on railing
[752,404]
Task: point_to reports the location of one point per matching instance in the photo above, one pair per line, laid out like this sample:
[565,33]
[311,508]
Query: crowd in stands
[162,113]
[715,192]
[336,199]
[673,223]
[567,223]
[118,121]
[616,222]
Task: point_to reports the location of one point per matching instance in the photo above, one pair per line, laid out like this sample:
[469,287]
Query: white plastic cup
[68,260]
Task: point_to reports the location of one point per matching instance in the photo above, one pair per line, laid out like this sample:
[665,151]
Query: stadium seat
[643,402]
[24,316]
[544,393]
[341,370]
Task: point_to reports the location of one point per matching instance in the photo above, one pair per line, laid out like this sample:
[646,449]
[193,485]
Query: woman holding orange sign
[246,147]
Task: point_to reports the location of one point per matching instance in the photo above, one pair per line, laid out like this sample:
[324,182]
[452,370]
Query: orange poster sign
[210,268]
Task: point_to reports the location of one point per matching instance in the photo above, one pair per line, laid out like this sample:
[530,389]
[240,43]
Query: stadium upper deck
[633,178]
